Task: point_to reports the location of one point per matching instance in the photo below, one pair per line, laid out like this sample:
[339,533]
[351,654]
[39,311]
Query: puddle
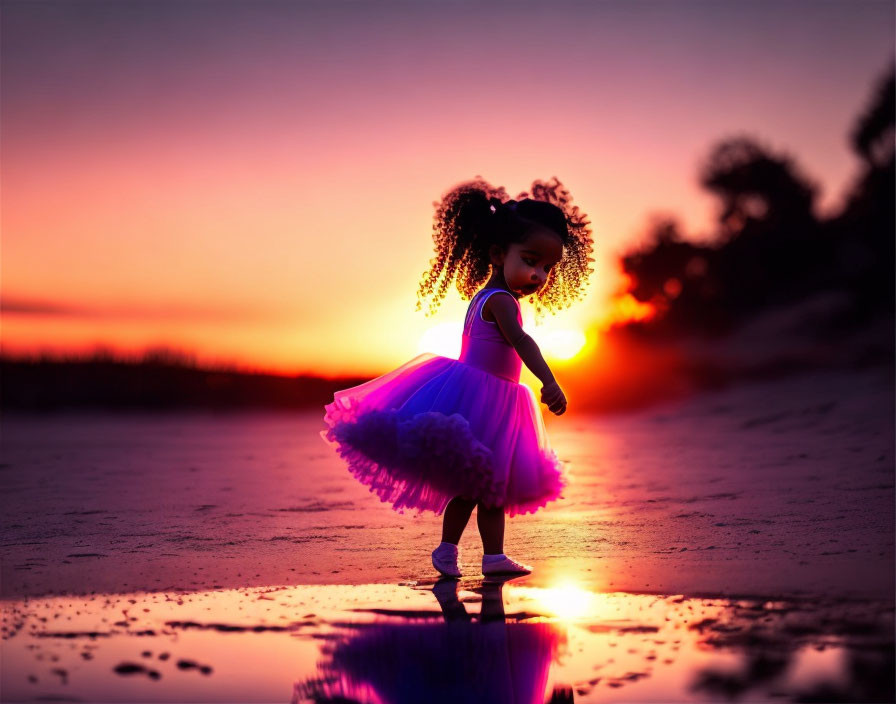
[446,641]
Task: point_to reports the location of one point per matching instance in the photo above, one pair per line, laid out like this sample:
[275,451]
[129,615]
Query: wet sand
[781,487]
[739,542]
[443,641]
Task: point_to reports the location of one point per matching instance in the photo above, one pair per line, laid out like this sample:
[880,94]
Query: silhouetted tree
[872,136]
[674,276]
[774,250]
[770,248]
[865,230]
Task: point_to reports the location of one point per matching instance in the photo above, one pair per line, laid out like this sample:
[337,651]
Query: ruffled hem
[558,481]
[423,461]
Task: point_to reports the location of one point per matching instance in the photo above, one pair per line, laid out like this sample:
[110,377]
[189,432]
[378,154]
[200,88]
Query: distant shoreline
[104,383]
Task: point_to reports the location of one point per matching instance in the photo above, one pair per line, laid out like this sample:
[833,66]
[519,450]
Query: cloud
[28,307]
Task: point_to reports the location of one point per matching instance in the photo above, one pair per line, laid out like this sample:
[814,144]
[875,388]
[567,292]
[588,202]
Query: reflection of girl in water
[457,660]
[447,435]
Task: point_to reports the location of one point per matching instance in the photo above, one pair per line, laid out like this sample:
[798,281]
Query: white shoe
[505,566]
[445,561]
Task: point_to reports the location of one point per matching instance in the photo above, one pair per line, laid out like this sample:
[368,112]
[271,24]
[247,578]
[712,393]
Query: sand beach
[752,521]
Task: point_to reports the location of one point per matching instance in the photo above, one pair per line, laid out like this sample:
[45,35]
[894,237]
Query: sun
[561,344]
[444,340]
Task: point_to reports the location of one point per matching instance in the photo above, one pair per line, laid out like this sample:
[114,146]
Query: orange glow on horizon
[623,307]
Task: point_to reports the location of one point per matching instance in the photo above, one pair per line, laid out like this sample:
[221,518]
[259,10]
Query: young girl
[447,435]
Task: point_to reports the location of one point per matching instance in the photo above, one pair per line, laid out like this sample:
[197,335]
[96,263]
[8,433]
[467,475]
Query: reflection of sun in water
[442,339]
[565,601]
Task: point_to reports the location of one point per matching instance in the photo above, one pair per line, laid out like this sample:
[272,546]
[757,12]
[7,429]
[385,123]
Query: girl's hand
[552,395]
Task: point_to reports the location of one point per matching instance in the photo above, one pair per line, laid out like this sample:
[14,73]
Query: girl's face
[527,264]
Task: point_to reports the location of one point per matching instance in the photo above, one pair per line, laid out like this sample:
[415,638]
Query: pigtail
[466,222]
[474,215]
[568,280]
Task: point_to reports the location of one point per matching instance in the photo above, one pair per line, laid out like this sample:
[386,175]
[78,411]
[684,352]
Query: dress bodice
[483,345]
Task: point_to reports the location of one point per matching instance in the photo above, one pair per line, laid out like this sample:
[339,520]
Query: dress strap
[475,308]
[486,296]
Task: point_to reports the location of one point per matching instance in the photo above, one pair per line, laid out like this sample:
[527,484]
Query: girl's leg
[491,528]
[457,514]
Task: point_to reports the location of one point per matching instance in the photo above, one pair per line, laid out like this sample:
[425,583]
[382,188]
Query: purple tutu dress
[436,428]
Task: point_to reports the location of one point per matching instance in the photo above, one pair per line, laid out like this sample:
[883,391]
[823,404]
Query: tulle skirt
[436,428]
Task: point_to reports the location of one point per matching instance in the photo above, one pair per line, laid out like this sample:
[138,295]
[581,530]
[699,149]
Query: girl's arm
[504,311]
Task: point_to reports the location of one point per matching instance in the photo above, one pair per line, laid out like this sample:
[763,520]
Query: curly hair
[474,215]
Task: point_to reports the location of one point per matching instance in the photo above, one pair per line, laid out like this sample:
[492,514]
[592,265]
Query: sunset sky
[254,181]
